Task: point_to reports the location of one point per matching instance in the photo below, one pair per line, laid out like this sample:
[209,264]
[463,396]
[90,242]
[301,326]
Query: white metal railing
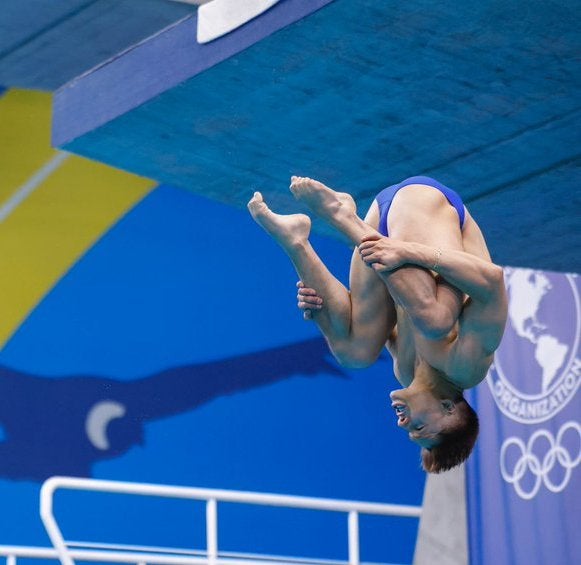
[68,551]
[13,552]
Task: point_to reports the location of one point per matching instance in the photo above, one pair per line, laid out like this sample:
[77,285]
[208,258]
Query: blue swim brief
[385,198]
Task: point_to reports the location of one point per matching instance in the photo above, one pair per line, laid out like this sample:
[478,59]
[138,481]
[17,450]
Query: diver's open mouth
[401,412]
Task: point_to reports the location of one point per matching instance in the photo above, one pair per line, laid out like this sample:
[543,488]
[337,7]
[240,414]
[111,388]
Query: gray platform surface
[482,96]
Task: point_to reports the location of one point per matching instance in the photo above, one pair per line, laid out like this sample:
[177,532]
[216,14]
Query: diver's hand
[382,254]
[308,301]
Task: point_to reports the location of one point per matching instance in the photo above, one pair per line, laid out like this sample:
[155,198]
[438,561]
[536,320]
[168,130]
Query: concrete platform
[45,44]
[479,96]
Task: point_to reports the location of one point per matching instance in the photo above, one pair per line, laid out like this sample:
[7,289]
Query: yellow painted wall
[53,206]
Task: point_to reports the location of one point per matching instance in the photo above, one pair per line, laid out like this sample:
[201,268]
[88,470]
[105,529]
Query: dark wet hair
[455,443]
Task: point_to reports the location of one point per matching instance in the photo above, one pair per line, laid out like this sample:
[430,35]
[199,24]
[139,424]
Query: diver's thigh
[373,310]
[423,214]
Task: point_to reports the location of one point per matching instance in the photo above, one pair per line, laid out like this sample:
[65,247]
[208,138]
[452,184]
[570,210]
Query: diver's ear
[448,405]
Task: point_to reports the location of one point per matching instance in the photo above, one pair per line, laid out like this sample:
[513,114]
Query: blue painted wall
[185,314]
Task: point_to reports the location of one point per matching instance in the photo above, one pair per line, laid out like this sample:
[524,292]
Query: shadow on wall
[63,426]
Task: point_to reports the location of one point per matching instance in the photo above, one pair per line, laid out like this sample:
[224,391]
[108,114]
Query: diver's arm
[482,280]
[484,315]
[482,321]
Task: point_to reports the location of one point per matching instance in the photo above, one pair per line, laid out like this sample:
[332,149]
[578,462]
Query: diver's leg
[356,324]
[433,306]
[422,214]
[337,208]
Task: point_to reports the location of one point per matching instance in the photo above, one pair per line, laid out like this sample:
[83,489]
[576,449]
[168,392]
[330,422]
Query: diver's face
[422,415]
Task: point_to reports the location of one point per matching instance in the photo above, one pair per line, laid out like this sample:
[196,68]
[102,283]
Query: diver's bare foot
[289,231]
[327,203]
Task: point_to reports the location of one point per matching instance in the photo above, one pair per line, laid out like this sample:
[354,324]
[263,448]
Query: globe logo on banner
[536,371]
[535,375]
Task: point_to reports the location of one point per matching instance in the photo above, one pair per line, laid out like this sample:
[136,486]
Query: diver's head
[444,425]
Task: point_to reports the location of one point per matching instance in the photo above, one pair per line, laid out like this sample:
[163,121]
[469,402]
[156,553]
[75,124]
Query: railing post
[212,530]
[46,513]
[353,528]
[11,560]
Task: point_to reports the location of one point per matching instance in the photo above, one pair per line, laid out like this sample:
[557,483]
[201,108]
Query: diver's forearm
[476,277]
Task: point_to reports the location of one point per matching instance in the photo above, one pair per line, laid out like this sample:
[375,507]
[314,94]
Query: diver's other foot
[288,230]
[324,201]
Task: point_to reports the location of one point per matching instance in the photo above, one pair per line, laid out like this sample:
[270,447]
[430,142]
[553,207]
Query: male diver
[421,283]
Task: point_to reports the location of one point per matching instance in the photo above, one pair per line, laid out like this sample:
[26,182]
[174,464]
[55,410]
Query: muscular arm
[481,280]
[482,321]
[484,315]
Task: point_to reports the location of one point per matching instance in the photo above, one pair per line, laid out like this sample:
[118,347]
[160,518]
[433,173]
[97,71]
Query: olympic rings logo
[540,469]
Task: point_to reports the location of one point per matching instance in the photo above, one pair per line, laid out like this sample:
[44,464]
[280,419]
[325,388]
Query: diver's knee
[434,324]
[355,358]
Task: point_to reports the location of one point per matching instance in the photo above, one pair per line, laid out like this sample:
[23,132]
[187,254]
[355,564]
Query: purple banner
[524,486]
